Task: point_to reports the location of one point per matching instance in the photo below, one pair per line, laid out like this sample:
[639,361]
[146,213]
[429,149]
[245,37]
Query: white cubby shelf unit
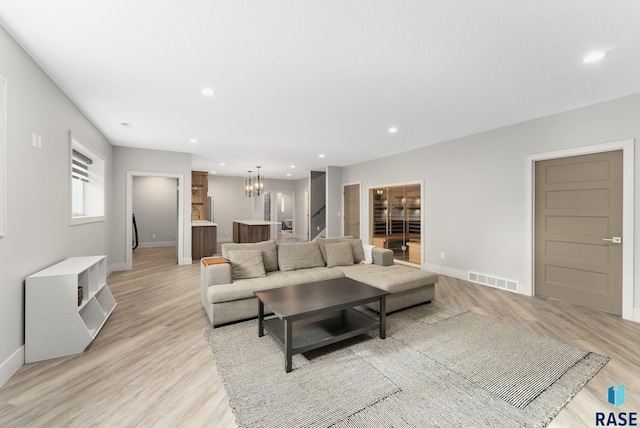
[55,325]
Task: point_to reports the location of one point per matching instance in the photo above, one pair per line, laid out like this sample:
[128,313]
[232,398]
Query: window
[87,184]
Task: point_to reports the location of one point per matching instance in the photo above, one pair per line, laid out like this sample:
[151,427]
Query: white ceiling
[296,78]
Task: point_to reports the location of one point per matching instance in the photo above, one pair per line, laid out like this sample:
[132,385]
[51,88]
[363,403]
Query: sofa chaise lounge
[228,282]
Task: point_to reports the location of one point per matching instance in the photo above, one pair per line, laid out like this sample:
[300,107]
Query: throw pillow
[339,254]
[322,242]
[368,254]
[246,264]
[356,247]
[299,255]
[268,248]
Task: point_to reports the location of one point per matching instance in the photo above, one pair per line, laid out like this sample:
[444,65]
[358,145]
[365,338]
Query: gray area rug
[438,367]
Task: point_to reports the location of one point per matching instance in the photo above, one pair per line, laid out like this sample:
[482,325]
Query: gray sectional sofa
[228,282]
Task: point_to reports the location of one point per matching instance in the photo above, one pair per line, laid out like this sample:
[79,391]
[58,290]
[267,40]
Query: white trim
[116,267]
[419,182]
[182,259]
[154,244]
[627,147]
[98,182]
[443,270]
[11,365]
[3,157]
[86,219]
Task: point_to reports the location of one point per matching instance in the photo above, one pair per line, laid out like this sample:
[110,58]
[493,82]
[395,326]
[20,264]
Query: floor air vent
[493,281]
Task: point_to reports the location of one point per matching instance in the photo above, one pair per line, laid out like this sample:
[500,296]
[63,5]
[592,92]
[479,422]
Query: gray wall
[38,190]
[155,205]
[301,228]
[475,186]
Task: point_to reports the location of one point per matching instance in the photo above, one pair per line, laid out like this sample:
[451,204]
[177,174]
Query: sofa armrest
[214,271]
[382,256]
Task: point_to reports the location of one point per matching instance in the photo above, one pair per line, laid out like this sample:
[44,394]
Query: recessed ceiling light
[393,130]
[208,92]
[595,56]
[213,172]
[193,141]
[293,166]
[320,156]
[288,174]
[223,164]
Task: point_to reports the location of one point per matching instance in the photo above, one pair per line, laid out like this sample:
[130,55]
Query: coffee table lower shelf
[313,333]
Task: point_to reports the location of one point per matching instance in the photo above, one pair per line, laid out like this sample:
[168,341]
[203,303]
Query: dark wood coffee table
[316,314]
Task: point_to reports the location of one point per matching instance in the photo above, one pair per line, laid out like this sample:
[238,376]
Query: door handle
[613,240]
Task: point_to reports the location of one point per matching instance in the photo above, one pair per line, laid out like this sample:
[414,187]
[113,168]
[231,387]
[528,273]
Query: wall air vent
[493,281]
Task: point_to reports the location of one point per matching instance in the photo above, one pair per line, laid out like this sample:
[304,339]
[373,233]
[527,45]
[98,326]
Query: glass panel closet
[396,221]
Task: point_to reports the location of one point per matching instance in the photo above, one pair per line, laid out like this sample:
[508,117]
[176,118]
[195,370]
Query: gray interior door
[578,225]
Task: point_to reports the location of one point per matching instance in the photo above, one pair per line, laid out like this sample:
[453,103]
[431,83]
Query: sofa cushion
[244,288]
[339,254]
[394,278]
[246,264]
[322,242]
[299,255]
[268,248]
[356,248]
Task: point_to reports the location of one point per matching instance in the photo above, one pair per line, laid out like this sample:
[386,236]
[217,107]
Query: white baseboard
[185,261]
[11,365]
[443,270]
[636,315]
[153,244]
[116,267]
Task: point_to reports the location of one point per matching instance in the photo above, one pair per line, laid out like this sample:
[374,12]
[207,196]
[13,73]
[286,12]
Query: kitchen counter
[195,223]
[252,230]
[204,239]
[256,222]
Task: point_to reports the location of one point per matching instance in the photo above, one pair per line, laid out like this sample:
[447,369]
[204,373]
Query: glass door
[396,221]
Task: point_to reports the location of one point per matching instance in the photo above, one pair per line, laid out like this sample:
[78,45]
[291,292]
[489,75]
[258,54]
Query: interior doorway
[628,209]
[307,223]
[351,210]
[129,215]
[396,220]
[155,209]
[285,214]
[578,230]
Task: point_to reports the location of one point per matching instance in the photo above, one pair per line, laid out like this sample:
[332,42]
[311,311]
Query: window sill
[86,219]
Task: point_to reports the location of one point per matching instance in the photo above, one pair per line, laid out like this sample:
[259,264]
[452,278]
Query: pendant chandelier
[253,187]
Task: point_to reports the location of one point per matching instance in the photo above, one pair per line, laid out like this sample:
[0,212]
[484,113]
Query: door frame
[182,260]
[627,147]
[367,201]
[274,211]
[307,210]
[359,183]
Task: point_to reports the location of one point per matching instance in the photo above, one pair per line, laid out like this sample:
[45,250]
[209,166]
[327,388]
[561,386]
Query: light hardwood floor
[150,365]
